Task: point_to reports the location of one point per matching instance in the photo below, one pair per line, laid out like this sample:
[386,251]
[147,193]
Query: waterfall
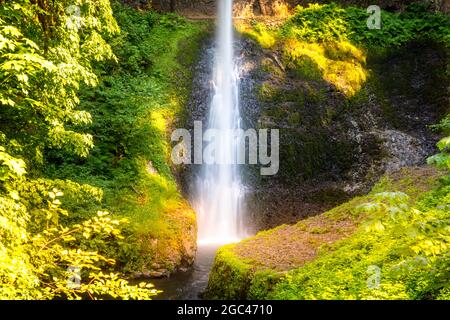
[219,188]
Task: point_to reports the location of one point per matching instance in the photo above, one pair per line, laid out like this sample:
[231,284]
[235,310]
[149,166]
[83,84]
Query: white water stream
[219,190]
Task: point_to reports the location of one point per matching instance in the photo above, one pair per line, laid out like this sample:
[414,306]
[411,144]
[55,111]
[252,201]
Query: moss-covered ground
[327,256]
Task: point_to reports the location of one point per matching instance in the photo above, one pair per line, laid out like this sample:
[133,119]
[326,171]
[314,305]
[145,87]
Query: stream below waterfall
[190,284]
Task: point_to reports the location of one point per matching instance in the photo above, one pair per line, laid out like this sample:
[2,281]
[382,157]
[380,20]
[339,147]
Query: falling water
[219,193]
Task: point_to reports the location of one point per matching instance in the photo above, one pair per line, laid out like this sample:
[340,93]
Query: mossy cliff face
[346,114]
[260,267]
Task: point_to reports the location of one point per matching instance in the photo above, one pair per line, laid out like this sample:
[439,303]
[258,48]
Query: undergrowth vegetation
[321,23]
[399,249]
[400,252]
[87,95]
[132,109]
[43,63]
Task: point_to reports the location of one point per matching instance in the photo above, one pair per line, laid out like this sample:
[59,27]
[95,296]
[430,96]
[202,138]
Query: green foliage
[406,242]
[409,246]
[442,159]
[42,258]
[46,54]
[235,278]
[263,35]
[71,80]
[322,23]
[132,109]
[134,99]
[331,43]
[43,61]
[11,167]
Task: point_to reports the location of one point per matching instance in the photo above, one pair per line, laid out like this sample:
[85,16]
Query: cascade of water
[219,189]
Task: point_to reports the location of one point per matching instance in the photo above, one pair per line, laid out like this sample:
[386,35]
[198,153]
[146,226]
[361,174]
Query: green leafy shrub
[322,23]
[442,159]
[332,43]
[43,258]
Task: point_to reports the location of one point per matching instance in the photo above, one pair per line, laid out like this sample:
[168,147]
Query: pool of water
[190,284]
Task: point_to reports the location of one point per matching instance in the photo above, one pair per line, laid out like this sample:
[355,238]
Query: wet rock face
[334,147]
[197,110]
[331,147]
